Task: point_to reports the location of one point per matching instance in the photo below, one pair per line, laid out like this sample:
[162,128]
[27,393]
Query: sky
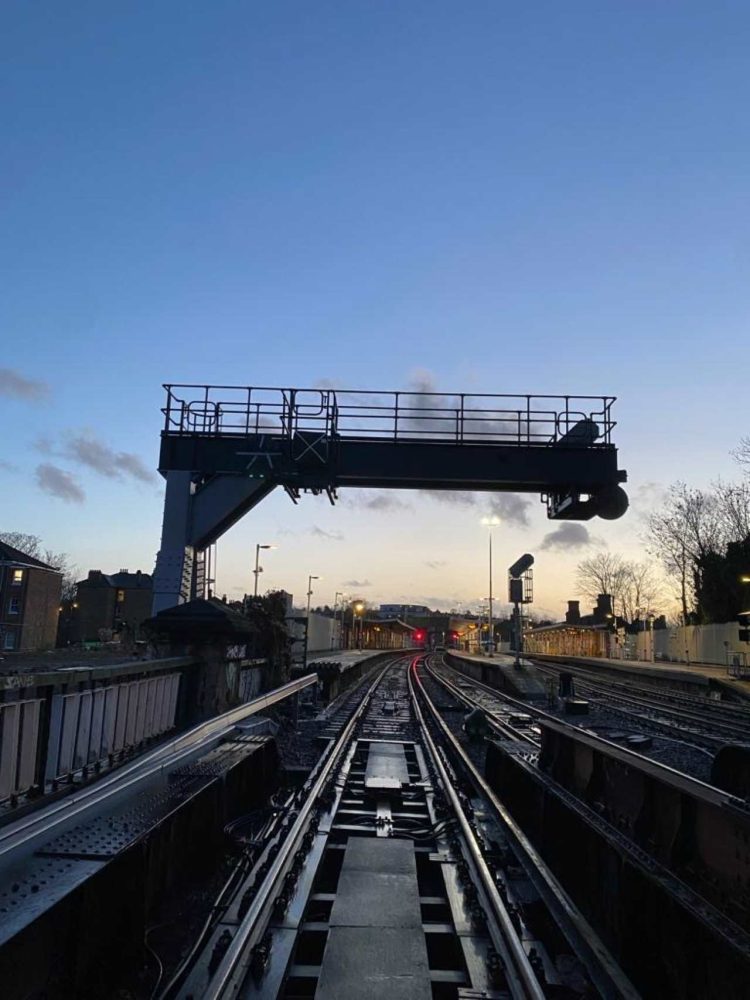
[479,197]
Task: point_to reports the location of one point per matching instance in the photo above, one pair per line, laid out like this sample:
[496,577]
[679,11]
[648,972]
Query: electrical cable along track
[395,873]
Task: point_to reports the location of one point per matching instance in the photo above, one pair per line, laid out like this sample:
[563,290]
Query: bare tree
[643,591]
[698,516]
[742,454]
[604,573]
[733,510]
[689,527]
[31,545]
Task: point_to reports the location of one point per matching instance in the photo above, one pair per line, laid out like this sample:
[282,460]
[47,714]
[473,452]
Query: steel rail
[22,837]
[523,980]
[547,716]
[611,981]
[729,715]
[666,717]
[677,714]
[232,970]
[503,727]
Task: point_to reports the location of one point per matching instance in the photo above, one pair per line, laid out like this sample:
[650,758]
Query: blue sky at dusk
[483,197]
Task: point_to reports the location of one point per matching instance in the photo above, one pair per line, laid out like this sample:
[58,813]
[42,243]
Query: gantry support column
[173,576]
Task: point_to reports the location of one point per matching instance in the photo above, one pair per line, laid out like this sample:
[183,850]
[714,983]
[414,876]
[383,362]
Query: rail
[330,414]
[608,977]
[522,978]
[234,965]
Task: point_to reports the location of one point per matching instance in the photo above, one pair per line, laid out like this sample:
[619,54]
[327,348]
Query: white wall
[323,635]
[692,643]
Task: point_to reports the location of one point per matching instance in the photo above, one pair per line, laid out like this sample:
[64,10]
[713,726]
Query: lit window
[120,596]
[14,608]
[10,641]
[17,577]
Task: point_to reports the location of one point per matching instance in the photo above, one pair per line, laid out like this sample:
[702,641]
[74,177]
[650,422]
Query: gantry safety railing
[219,410]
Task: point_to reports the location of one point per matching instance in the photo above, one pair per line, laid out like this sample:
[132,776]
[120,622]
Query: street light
[490,523]
[358,606]
[336,596]
[258,568]
[307,617]
[650,620]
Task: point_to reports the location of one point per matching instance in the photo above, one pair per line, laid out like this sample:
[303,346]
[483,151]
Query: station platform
[337,670]
[699,675]
[346,658]
[500,671]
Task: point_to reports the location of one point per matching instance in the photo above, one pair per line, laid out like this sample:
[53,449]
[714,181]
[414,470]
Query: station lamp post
[307,616]
[357,607]
[336,596]
[258,568]
[490,523]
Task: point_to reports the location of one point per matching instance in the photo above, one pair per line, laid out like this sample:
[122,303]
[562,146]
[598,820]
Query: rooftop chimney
[603,609]
[573,614]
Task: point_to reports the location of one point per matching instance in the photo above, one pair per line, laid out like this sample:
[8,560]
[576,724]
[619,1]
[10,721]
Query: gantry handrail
[396,416]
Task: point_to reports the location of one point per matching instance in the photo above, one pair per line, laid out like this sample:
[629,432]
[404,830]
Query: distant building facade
[400,610]
[111,602]
[29,602]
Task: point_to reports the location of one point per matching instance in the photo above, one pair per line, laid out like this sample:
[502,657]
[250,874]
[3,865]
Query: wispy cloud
[377,500]
[511,508]
[333,536]
[436,563]
[59,483]
[327,383]
[568,537]
[356,583]
[16,386]
[86,449]
[454,498]
[8,466]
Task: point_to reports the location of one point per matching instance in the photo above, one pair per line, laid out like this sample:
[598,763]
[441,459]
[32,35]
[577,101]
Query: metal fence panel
[132,694]
[110,720]
[97,722]
[71,707]
[53,740]
[84,730]
[9,720]
[27,754]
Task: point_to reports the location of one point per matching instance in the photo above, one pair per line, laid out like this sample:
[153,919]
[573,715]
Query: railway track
[396,872]
[706,721]
[679,746]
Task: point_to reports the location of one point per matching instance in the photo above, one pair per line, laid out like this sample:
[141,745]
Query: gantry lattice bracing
[225,448]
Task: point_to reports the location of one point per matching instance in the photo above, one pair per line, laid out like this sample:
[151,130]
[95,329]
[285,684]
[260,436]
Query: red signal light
[419,635]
